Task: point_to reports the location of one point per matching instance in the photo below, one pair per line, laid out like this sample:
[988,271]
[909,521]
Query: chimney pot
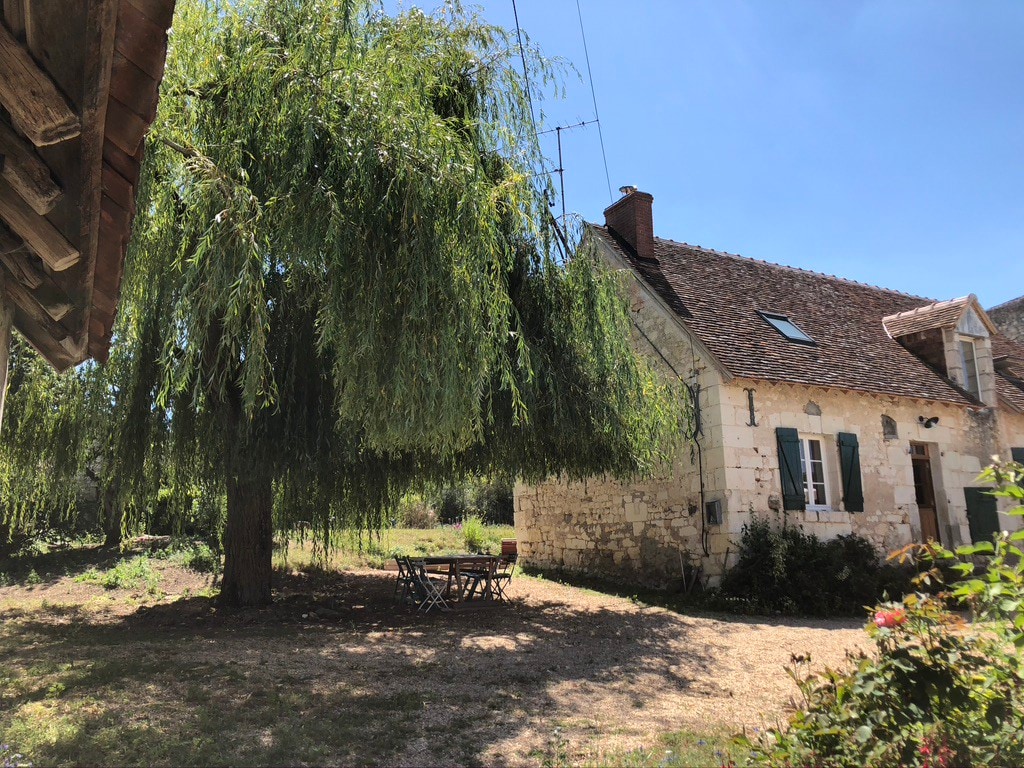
[632,219]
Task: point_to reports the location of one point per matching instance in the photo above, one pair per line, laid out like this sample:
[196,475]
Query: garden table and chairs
[450,581]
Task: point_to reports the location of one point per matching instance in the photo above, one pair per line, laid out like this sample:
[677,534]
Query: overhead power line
[558,129]
[593,94]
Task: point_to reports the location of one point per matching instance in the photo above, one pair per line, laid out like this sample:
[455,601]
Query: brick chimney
[631,218]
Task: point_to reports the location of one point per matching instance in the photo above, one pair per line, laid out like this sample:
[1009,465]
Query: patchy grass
[677,749]
[136,573]
[375,550]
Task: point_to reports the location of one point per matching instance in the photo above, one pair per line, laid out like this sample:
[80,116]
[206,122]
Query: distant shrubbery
[785,570]
[488,500]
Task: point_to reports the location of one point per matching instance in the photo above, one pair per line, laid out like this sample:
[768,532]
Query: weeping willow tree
[343,281]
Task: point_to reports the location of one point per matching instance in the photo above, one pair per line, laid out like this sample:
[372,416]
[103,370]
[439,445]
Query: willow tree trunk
[113,517]
[248,536]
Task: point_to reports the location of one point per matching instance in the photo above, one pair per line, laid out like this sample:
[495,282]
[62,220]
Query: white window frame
[805,463]
[974,362]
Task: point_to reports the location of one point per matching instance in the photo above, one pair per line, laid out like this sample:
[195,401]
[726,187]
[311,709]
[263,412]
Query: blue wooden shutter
[1017,454]
[789,468]
[849,463]
[982,513]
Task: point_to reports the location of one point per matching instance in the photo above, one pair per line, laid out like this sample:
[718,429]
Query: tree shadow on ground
[50,567]
[332,673]
[674,599]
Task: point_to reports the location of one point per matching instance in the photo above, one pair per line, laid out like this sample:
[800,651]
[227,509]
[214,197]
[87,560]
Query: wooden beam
[53,300]
[18,265]
[51,297]
[14,13]
[23,299]
[9,242]
[38,233]
[26,173]
[6,320]
[36,107]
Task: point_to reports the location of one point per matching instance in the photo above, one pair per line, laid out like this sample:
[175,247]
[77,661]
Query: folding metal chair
[403,587]
[503,577]
[425,590]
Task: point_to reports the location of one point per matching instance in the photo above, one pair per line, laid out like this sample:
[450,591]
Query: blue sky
[880,141]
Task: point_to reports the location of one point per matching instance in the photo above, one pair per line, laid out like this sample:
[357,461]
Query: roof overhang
[78,87]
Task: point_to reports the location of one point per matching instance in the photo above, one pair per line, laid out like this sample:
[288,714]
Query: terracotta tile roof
[939,314]
[1009,358]
[1011,391]
[719,296]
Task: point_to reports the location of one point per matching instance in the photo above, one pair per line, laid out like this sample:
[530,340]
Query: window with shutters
[814,468]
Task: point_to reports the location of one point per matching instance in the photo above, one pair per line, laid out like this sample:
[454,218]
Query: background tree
[342,280]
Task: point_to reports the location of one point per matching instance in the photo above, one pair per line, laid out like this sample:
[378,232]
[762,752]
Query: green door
[982,515]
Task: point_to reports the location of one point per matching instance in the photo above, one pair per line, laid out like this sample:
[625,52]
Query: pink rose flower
[890,619]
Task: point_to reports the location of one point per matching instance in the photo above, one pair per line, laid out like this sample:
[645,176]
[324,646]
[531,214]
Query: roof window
[786,327]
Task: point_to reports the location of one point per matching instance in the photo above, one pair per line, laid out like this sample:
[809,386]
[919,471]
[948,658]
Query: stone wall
[1009,318]
[960,444]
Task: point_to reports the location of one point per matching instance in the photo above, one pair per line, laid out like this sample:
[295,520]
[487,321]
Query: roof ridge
[1018,300]
[789,268]
[927,307]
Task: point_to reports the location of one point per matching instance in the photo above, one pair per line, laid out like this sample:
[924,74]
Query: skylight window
[786,327]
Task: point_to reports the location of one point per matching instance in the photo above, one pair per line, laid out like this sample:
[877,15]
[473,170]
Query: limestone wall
[960,444]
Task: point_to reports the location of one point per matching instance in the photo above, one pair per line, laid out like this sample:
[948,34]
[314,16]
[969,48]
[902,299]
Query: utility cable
[526,73]
[593,94]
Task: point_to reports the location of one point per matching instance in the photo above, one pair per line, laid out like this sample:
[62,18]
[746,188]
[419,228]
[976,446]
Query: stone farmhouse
[819,401]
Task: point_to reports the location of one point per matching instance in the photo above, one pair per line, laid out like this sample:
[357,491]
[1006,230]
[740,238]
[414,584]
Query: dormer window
[786,327]
[969,361]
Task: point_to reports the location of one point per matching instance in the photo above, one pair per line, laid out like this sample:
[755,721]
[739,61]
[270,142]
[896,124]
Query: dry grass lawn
[333,674]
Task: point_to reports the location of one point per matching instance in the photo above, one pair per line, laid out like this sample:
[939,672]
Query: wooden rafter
[20,262]
[37,232]
[22,298]
[36,107]
[17,263]
[26,173]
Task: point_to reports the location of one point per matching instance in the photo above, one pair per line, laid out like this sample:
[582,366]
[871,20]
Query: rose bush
[946,685]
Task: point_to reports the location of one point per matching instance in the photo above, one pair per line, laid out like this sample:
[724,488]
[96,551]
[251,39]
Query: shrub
[785,570]
[196,556]
[940,692]
[475,534]
[127,574]
[490,500]
[414,512]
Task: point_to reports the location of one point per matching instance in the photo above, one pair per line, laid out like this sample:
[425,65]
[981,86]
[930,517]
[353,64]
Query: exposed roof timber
[37,231]
[36,106]
[17,263]
[27,303]
[70,204]
[27,174]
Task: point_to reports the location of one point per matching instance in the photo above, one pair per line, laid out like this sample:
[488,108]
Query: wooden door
[924,490]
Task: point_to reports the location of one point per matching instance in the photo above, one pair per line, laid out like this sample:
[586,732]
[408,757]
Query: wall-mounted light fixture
[928,422]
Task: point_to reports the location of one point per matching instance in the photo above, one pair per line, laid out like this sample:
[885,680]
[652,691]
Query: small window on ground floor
[814,468]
